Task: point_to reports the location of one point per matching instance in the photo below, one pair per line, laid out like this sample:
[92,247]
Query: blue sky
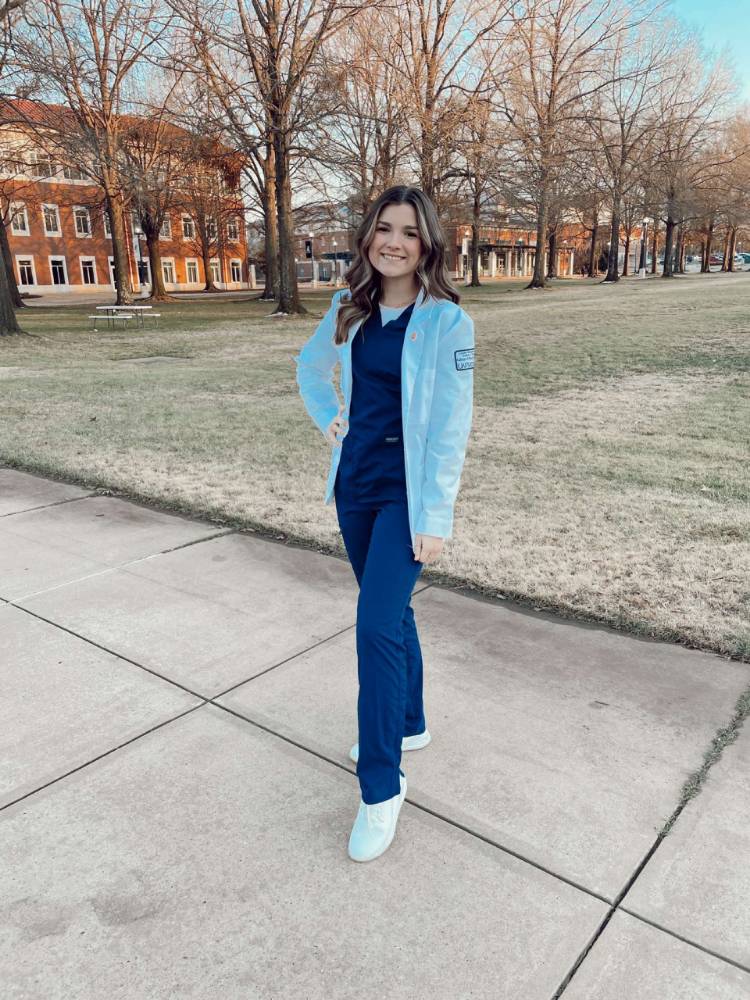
[722,22]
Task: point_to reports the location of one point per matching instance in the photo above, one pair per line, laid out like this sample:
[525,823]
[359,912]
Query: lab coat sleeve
[448,428]
[315,364]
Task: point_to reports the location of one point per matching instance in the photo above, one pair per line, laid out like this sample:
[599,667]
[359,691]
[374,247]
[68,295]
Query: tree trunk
[271,287]
[475,283]
[119,251]
[724,263]
[592,252]
[668,269]
[707,244]
[15,295]
[679,250]
[538,279]
[625,268]
[613,258]
[158,291]
[289,300]
[732,247]
[206,257]
[552,253]
[8,322]
[654,246]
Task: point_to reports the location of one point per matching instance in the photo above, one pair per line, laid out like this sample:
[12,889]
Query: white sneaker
[375,826]
[415,742]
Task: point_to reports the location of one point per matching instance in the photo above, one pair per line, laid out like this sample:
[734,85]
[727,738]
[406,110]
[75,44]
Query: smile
[390,256]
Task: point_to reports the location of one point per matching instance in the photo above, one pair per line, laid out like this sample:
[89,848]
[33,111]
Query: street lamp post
[312,261]
[644,245]
[335,265]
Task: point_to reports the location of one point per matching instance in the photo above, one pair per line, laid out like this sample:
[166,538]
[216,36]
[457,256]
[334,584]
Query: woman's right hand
[336,426]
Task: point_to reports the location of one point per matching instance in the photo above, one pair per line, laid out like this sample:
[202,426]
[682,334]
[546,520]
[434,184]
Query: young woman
[406,350]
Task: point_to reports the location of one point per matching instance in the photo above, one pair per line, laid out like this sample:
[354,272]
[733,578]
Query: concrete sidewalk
[176,794]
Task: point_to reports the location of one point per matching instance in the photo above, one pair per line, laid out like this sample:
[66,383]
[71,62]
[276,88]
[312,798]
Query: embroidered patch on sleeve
[464,359]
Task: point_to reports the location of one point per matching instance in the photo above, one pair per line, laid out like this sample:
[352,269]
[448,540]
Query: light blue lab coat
[437,393]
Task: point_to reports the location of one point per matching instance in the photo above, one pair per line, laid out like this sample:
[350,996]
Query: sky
[722,22]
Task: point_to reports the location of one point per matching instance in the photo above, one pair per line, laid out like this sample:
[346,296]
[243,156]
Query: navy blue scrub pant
[389,657]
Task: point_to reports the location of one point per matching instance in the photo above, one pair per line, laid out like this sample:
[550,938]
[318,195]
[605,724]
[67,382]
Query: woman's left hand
[428,548]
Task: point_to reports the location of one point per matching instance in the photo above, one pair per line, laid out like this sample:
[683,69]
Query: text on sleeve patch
[464,359]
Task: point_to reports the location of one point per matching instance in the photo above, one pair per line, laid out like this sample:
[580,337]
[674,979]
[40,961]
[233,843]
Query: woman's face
[396,247]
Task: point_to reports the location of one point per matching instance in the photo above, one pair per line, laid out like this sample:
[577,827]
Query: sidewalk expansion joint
[88,763]
[691,788]
[43,506]
[724,736]
[112,652]
[417,805]
[117,568]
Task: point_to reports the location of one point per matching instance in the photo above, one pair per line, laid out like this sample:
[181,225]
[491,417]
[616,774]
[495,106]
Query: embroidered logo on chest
[464,359]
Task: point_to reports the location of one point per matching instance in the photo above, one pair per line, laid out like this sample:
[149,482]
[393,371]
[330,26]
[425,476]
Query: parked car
[716,258]
[745,257]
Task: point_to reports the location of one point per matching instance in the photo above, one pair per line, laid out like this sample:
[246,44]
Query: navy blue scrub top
[371,468]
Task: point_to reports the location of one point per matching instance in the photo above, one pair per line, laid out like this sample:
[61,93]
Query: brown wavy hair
[364,280]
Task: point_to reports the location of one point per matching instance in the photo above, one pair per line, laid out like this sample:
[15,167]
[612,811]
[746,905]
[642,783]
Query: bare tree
[690,121]
[431,52]
[9,12]
[275,43]
[622,120]
[555,70]
[87,53]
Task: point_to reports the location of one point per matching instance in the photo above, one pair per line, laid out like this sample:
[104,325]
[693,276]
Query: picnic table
[112,311]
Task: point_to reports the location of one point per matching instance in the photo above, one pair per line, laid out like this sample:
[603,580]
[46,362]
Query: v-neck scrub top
[371,468]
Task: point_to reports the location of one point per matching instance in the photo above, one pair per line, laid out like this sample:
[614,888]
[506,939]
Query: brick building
[504,251]
[59,233]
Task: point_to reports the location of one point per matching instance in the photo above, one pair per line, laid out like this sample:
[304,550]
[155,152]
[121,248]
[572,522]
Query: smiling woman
[406,352]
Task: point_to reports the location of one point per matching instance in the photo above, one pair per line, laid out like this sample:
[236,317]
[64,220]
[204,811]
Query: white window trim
[165,279]
[107,224]
[211,222]
[14,206]
[182,218]
[58,231]
[235,260]
[82,236]
[192,260]
[111,270]
[168,237]
[25,256]
[217,261]
[233,239]
[58,256]
[81,259]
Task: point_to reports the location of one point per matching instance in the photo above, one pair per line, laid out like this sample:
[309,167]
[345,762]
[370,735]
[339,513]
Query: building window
[73,174]
[83,221]
[43,166]
[19,220]
[165,232]
[25,271]
[210,228]
[51,220]
[167,268]
[192,271]
[188,228]
[88,270]
[107,224]
[236,270]
[233,230]
[215,271]
[57,269]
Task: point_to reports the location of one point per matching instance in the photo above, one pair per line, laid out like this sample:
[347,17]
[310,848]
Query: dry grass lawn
[608,472]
